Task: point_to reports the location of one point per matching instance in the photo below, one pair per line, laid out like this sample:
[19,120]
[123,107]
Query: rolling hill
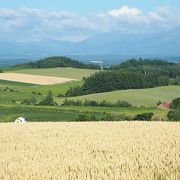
[138,97]
[59,72]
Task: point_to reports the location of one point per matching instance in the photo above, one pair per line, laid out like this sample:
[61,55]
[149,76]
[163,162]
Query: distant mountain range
[109,47]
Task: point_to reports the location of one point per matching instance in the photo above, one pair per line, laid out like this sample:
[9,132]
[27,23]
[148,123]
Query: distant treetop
[57,61]
[134,63]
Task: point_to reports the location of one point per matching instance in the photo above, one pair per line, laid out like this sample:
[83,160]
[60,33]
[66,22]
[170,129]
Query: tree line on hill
[113,117]
[141,62]
[57,61]
[103,103]
[132,74]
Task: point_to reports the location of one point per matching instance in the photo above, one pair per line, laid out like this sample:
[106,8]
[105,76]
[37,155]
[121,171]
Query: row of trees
[48,101]
[118,80]
[112,117]
[130,75]
[57,61]
[134,63]
[147,66]
[95,103]
[101,117]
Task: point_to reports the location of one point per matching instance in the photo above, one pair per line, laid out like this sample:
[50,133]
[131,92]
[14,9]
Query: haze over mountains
[104,46]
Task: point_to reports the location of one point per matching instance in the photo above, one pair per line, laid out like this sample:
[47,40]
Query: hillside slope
[137,97]
[57,61]
[59,72]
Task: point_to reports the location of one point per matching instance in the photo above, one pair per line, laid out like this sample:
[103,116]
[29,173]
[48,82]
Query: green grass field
[137,97]
[25,90]
[131,112]
[72,73]
[8,113]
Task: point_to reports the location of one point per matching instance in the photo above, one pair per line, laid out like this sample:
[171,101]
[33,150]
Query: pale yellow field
[101,150]
[33,79]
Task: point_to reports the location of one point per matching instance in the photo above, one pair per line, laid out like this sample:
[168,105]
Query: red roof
[164,105]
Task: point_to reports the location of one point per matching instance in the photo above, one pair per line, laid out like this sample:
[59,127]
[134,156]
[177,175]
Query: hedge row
[95,103]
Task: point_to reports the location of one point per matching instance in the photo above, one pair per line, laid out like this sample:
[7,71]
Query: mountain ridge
[122,45]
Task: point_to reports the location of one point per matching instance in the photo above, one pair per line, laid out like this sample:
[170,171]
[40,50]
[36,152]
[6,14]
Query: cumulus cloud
[125,10]
[33,24]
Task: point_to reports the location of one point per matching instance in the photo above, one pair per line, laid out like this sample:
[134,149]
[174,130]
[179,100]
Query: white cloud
[30,23]
[125,10]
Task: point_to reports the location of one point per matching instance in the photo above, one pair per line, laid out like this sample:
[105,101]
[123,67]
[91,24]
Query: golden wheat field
[34,79]
[97,150]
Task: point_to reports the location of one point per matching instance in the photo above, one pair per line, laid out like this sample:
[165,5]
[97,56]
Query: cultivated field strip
[33,79]
[67,72]
[97,150]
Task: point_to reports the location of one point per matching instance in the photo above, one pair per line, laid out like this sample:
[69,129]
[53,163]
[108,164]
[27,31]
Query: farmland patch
[34,79]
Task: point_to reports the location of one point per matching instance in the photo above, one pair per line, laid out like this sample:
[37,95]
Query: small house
[164,105]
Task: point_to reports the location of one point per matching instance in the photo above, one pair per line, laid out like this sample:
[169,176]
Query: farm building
[164,105]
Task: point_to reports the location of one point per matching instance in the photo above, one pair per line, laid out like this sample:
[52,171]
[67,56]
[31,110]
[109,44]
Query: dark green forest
[132,74]
[57,61]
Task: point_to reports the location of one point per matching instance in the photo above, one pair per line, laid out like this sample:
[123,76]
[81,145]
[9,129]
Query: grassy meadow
[24,90]
[137,97]
[69,113]
[35,114]
[72,73]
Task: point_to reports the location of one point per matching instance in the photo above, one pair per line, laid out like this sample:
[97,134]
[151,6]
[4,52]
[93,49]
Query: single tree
[48,100]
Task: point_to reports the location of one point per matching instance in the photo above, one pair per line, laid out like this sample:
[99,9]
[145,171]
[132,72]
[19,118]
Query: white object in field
[20,120]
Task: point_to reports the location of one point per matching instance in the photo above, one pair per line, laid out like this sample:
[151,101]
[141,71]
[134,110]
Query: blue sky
[76,20]
[88,6]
